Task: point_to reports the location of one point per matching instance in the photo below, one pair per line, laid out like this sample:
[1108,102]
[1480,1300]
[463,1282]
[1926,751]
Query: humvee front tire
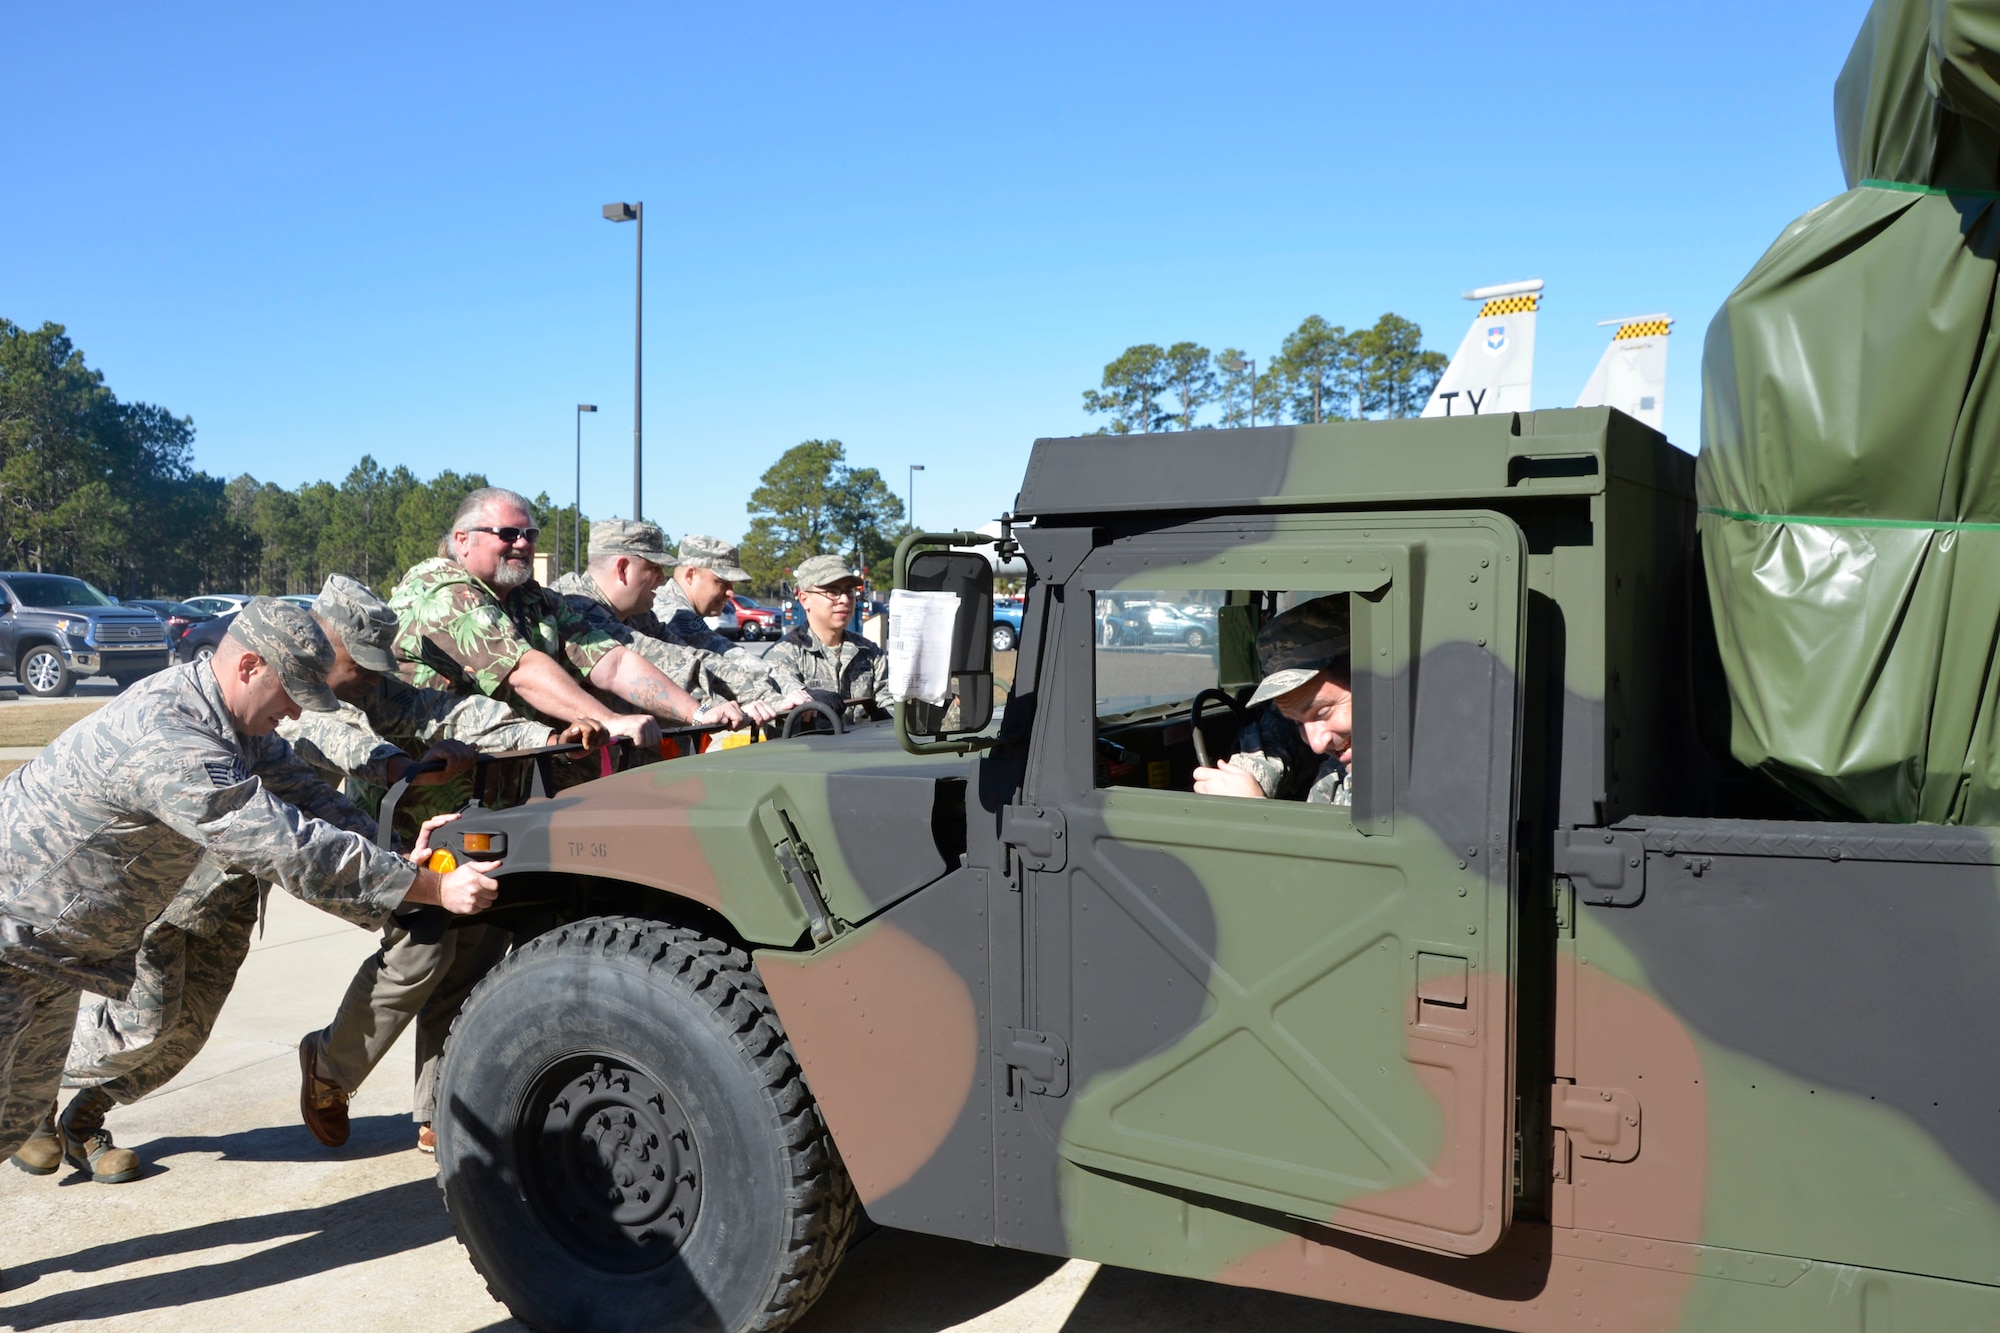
[625,1142]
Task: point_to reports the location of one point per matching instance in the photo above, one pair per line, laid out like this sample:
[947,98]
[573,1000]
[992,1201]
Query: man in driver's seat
[1300,747]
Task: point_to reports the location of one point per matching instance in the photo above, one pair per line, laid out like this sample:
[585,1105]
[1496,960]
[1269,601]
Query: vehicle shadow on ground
[371,1136]
[315,1240]
[902,1282]
[1123,1300]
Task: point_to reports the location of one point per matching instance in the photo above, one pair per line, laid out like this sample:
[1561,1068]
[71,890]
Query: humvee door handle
[1036,834]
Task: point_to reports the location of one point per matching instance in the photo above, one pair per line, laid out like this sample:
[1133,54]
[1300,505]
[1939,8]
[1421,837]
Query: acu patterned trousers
[36,1016]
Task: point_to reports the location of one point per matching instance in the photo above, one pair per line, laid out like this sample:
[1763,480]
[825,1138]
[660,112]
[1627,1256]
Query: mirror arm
[917,541]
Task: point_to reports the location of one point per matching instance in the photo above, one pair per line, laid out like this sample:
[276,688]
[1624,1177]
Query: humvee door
[1301,1007]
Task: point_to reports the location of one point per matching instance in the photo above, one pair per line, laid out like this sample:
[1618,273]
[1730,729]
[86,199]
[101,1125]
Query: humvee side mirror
[924,565]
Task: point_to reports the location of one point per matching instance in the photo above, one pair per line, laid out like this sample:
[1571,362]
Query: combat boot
[42,1153]
[87,1144]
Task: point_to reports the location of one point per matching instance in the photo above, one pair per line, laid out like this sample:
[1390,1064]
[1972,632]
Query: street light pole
[915,468]
[576,559]
[636,212]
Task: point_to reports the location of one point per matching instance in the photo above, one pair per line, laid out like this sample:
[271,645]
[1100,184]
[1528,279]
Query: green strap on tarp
[1820,521]
[1910,187]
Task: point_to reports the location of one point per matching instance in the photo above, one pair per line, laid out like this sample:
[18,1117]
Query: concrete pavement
[244,1221]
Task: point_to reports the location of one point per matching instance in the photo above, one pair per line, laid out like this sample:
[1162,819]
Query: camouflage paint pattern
[1540,1031]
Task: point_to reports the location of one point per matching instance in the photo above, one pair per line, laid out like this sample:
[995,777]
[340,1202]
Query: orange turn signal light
[479,842]
[443,862]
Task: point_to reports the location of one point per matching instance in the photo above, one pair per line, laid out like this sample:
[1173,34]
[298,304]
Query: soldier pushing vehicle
[106,826]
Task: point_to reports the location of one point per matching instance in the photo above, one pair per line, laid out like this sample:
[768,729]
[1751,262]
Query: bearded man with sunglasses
[474,621]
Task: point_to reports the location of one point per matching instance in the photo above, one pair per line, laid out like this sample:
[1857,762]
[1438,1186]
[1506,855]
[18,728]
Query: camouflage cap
[823,571]
[286,636]
[703,552]
[635,536]
[364,622]
[1301,643]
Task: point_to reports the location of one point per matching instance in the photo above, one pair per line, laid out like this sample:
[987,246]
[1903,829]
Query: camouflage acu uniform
[462,636]
[103,830]
[1272,749]
[397,719]
[746,676]
[189,958]
[702,673]
[854,669]
[405,980]
[357,744]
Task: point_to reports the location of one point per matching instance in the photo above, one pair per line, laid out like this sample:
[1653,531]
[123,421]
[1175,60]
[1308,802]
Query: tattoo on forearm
[650,696]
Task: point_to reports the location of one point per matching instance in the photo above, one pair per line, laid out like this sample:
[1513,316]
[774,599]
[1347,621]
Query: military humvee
[1565,1022]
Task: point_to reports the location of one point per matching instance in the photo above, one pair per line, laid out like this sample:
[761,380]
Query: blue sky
[922,230]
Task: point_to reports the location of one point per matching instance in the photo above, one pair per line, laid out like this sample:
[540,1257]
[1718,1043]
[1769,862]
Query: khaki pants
[401,981]
[36,1018]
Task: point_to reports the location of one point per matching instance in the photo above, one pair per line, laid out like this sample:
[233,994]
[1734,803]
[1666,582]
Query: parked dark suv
[55,630]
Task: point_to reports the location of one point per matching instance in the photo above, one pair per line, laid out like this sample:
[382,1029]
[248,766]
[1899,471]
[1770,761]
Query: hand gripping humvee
[1565,1022]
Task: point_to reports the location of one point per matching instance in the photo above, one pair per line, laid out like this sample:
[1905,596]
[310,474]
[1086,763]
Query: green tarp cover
[1849,479]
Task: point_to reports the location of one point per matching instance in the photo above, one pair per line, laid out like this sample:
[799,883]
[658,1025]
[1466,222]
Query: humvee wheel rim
[612,1165]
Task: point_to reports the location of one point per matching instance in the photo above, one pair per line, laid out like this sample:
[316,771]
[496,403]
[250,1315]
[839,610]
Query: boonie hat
[1301,643]
[363,621]
[285,635]
[703,552]
[823,571]
[635,536]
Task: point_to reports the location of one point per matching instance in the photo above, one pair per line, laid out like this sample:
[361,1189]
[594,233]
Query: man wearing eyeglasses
[839,667]
[475,621]
[706,569]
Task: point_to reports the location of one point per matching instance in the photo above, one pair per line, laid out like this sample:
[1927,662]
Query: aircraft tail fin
[1494,368]
[1632,374]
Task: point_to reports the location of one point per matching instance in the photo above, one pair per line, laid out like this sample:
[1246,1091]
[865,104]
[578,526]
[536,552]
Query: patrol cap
[1301,643]
[703,552]
[285,635]
[635,536]
[363,621]
[823,571]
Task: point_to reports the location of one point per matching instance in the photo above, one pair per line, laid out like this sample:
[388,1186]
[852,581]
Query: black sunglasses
[511,535]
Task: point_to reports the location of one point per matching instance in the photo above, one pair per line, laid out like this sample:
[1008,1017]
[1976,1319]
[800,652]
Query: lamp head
[620,212]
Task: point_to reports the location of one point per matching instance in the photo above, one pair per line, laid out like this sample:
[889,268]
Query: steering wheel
[1194,713]
[798,715]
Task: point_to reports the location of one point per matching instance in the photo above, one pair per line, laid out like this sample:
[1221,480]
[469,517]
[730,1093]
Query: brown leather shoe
[41,1154]
[427,1139]
[322,1102]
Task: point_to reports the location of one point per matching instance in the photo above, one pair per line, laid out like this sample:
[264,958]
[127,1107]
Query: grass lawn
[38,724]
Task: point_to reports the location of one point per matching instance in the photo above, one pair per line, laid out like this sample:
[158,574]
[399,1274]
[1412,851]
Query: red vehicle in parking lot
[754,620]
